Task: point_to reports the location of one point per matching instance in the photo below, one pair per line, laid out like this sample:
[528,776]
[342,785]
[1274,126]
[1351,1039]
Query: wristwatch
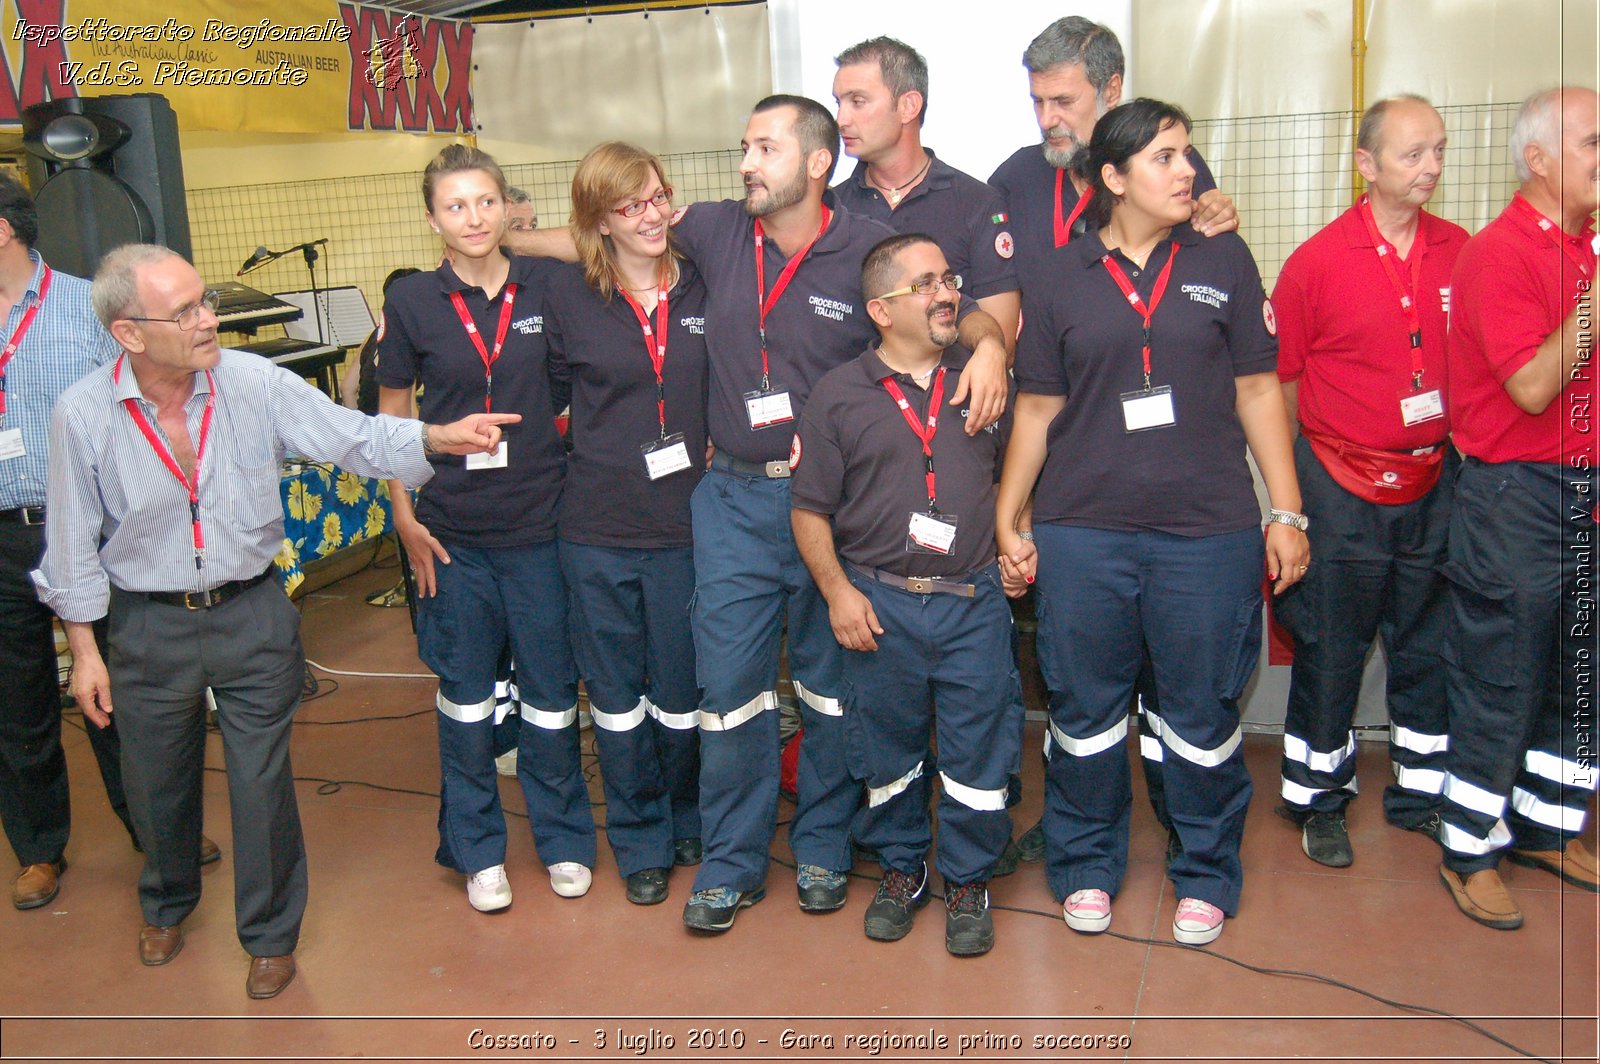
[1290,518]
[427,440]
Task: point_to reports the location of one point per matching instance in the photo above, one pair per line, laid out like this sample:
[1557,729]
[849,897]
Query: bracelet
[1026,537]
[1290,518]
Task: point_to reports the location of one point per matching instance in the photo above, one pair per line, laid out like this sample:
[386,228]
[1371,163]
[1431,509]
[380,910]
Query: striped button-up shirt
[64,343]
[117,515]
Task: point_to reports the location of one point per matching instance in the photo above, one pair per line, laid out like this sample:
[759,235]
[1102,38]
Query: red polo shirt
[1343,335]
[1513,286]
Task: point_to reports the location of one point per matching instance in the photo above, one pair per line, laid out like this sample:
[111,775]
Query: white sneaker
[506,763]
[570,879]
[488,890]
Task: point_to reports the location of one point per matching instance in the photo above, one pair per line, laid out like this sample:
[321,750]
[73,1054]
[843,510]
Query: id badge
[665,456]
[768,408]
[1148,409]
[930,533]
[494,460]
[1417,407]
[11,444]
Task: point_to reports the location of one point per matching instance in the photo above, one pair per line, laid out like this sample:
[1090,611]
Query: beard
[772,199]
[942,335]
[1062,158]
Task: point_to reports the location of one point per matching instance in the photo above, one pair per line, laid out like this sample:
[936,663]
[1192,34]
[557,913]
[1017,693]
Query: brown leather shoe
[37,885]
[1483,898]
[158,945]
[209,851]
[269,975]
[1575,864]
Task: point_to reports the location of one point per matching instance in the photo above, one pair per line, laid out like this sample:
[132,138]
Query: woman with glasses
[481,538]
[1143,378]
[626,326]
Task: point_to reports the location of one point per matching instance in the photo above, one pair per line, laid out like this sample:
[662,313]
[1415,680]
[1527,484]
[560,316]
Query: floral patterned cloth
[325,510]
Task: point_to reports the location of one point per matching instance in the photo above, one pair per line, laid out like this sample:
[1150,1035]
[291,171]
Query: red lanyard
[1064,227]
[655,348]
[1137,303]
[935,398]
[1387,253]
[165,454]
[21,331]
[489,359]
[765,301]
[1571,247]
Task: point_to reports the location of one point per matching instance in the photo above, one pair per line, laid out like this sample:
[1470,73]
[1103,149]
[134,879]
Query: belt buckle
[921,585]
[777,470]
[197,600]
[32,515]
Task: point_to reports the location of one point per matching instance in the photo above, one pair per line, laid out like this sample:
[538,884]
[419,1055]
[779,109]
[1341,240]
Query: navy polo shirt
[423,342]
[1027,184]
[1084,341]
[609,499]
[861,464]
[965,216]
[818,323]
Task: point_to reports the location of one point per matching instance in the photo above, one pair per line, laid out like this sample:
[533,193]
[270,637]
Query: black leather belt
[729,464]
[918,585]
[24,515]
[204,600]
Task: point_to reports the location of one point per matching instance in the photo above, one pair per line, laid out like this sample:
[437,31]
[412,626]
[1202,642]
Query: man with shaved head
[1519,643]
[1361,314]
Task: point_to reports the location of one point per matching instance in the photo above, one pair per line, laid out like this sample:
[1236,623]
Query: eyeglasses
[951,281]
[188,319]
[636,208]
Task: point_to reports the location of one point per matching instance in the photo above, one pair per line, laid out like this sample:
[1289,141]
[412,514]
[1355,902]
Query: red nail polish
[1030,579]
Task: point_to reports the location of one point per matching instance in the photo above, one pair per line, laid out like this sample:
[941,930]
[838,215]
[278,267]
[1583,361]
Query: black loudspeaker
[106,171]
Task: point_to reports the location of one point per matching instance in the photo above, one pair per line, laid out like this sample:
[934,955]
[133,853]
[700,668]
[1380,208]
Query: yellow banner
[311,66]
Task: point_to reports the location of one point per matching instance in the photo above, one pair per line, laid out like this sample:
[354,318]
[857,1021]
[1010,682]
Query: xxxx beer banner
[292,66]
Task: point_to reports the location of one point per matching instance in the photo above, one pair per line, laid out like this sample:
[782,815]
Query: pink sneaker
[1088,911]
[1197,923]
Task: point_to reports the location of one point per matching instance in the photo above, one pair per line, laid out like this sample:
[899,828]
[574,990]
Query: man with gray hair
[1361,311]
[1519,643]
[163,513]
[520,212]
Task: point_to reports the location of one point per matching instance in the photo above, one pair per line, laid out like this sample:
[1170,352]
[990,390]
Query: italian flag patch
[1000,218]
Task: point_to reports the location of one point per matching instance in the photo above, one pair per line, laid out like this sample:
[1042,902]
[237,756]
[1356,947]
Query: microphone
[259,258]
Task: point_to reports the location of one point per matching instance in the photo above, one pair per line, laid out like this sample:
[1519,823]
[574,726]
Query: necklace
[896,194]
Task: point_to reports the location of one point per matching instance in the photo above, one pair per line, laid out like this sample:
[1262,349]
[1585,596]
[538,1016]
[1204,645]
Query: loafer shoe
[1197,922]
[210,852]
[713,909]
[570,879]
[648,886]
[1087,910]
[269,975]
[1575,864]
[821,890]
[488,890]
[1326,840]
[894,907]
[968,923]
[1484,898]
[158,945]
[686,852]
[37,884]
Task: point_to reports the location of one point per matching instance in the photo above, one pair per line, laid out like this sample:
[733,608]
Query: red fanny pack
[1389,478]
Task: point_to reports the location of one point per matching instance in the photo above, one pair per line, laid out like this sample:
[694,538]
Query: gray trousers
[162,658]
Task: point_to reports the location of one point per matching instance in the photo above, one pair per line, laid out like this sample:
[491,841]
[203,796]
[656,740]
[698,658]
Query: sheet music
[346,319]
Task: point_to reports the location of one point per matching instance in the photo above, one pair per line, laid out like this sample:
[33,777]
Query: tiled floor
[394,965]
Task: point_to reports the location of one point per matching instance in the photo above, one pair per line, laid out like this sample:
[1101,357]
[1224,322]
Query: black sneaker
[686,852]
[1324,839]
[1174,846]
[1030,845]
[1432,827]
[821,890]
[714,909]
[968,925]
[895,905]
[648,886]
